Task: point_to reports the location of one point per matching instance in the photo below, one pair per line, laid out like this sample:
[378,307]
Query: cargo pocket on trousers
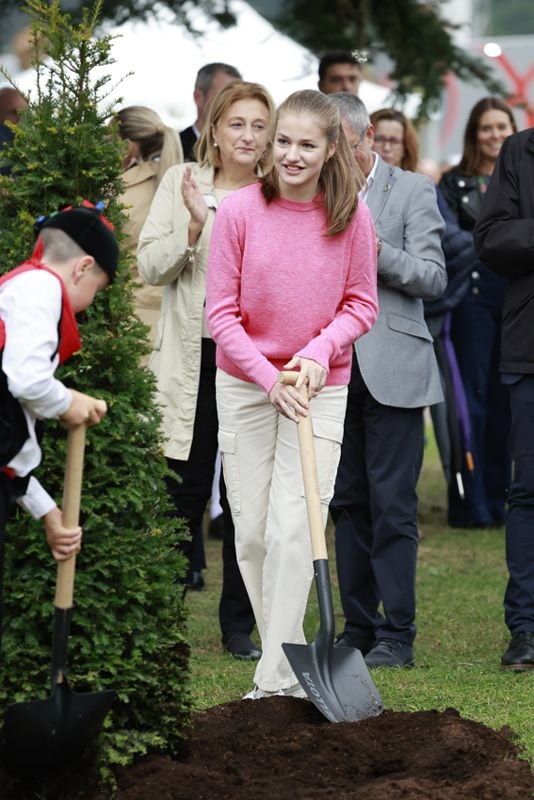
[327,437]
[227,446]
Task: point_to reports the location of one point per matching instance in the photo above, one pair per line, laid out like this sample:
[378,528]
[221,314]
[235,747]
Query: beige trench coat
[164,259]
[139,189]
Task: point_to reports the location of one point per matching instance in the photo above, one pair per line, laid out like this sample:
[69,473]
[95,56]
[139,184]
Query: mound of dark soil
[283,749]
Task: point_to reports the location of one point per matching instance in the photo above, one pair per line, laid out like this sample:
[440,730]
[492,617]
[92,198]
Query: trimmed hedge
[128,629]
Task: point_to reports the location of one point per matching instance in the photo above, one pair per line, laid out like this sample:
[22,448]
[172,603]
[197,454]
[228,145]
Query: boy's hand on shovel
[311,373]
[84,410]
[63,542]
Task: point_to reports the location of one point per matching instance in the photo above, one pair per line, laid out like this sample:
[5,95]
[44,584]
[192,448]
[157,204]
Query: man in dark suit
[394,376]
[504,239]
[210,79]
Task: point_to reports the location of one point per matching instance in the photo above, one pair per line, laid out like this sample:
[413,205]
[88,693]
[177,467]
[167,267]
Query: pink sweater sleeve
[359,309]
[289,301]
[222,302]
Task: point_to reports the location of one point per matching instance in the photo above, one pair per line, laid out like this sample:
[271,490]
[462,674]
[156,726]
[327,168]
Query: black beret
[86,227]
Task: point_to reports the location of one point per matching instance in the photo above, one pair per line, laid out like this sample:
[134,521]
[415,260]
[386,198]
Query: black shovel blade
[336,681]
[41,736]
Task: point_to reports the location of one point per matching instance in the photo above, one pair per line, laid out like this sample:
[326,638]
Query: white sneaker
[291,691]
[259,694]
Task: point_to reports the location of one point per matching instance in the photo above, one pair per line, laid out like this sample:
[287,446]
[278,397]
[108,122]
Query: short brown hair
[336,57]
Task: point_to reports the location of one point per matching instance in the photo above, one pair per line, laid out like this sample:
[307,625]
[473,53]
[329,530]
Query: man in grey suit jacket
[394,376]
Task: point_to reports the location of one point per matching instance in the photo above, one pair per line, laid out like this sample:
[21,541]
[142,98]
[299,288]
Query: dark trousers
[191,494]
[476,332]
[375,513]
[519,595]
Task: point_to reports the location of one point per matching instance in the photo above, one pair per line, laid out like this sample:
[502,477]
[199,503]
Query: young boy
[75,256]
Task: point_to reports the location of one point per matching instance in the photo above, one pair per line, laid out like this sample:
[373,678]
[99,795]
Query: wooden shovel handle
[72,492]
[289,377]
[309,474]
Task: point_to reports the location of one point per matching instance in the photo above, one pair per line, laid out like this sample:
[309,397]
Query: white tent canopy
[164,60]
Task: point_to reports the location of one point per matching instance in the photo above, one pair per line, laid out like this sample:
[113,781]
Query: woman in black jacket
[476,328]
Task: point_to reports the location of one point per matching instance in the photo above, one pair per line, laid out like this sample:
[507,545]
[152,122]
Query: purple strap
[460,399]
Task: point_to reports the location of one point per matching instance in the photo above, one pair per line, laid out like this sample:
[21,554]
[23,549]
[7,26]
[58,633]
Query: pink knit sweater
[277,287]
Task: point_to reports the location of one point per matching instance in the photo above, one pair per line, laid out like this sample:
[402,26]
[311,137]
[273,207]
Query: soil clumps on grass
[283,748]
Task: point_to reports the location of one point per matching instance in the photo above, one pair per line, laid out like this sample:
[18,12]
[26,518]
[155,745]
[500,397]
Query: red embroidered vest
[13,426]
[68,335]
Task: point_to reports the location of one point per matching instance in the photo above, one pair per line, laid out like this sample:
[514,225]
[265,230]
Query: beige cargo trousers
[263,476]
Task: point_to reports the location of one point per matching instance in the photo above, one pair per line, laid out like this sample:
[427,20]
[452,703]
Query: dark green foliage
[128,622]
[419,41]
[413,34]
[120,11]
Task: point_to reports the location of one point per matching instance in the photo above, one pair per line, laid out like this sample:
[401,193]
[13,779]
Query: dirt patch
[283,749]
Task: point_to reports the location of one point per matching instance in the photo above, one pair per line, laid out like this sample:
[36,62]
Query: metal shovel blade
[41,736]
[336,679]
[337,682]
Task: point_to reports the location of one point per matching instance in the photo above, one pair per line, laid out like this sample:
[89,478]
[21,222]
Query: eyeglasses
[393,141]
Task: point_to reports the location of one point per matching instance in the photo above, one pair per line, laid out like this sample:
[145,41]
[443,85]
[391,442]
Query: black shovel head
[336,680]
[44,735]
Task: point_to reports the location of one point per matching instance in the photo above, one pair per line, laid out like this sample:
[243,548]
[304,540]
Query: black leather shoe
[196,582]
[240,645]
[520,653]
[350,640]
[390,653]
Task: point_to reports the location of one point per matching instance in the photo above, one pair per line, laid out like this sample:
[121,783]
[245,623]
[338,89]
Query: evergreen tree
[128,620]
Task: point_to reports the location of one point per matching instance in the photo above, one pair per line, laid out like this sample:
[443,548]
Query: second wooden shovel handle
[309,475]
[72,492]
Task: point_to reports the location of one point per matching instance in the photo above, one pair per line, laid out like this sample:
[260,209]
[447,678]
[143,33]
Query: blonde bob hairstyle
[341,177]
[155,139]
[205,151]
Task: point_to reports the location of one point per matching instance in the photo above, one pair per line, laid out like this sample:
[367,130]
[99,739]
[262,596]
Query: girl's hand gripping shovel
[336,680]
[43,735]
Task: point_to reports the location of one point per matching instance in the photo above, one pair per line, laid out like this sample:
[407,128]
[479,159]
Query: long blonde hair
[205,151]
[144,127]
[341,178]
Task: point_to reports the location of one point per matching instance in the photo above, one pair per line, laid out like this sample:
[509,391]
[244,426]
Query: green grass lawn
[461,633]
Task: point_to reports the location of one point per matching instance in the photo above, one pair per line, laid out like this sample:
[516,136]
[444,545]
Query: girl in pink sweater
[291,285]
